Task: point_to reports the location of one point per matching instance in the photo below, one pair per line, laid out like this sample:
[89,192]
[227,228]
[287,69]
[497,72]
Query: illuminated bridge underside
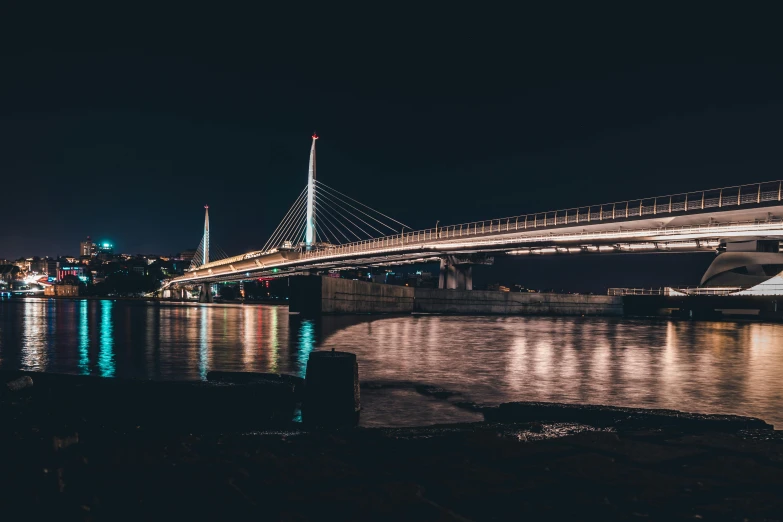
[685,231]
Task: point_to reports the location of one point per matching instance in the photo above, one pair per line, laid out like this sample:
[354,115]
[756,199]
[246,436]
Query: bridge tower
[205,256]
[206,289]
[310,230]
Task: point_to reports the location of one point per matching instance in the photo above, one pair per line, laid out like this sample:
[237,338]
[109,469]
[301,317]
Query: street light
[436,228]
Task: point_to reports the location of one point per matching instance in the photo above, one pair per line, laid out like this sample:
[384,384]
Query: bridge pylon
[205,255]
[456,271]
[310,224]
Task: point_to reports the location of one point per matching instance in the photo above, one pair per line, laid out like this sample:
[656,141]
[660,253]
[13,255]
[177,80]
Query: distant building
[9,273]
[74,270]
[87,248]
[23,264]
[51,268]
[62,290]
[105,248]
[38,265]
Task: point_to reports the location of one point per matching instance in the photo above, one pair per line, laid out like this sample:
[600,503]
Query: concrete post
[206,294]
[456,272]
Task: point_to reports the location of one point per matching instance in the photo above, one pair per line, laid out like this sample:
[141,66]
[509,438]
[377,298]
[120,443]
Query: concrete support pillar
[206,293]
[174,293]
[455,276]
[456,271]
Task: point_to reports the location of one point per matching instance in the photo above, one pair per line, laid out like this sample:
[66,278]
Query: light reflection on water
[699,366]
[106,355]
[84,340]
[306,344]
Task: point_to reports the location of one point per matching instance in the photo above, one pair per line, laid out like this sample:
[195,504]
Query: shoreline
[720,318]
[73,451]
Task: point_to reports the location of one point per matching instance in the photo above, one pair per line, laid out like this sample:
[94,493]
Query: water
[708,367]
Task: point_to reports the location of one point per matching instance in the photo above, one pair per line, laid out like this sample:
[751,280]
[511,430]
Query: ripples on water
[714,367]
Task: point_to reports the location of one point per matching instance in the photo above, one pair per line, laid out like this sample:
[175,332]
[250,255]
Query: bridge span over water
[745,221]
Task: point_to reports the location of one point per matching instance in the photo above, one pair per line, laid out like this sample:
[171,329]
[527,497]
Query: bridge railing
[635,291]
[672,291]
[741,195]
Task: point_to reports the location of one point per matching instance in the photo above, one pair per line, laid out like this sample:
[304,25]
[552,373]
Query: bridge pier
[313,296]
[744,263]
[205,296]
[456,271]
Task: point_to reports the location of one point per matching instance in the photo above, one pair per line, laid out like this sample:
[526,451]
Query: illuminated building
[74,270]
[38,265]
[23,264]
[105,250]
[87,248]
[62,290]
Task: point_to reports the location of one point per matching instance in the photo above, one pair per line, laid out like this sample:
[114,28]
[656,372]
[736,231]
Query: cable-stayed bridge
[326,229]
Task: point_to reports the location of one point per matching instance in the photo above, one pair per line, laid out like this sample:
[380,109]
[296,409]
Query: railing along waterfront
[635,291]
[669,291]
[741,195]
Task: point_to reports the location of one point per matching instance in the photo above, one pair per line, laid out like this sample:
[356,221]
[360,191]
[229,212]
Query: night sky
[123,124]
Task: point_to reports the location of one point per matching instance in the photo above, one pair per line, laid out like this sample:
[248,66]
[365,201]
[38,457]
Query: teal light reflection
[106,354]
[84,340]
[306,344]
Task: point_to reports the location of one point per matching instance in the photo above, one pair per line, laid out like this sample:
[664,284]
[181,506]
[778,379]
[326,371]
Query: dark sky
[122,124]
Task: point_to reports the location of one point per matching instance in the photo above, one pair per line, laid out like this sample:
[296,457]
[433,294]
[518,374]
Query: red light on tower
[315,136]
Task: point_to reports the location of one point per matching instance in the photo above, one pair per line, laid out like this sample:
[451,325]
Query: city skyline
[130,138]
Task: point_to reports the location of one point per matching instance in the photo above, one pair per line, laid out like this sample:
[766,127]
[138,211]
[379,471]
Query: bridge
[327,230]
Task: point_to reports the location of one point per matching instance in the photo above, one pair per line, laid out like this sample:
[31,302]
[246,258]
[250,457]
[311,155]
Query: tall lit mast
[206,236]
[310,229]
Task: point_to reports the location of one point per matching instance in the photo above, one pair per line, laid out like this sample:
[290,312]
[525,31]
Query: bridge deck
[682,229]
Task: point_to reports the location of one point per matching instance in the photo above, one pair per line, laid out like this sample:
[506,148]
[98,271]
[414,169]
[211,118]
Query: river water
[708,367]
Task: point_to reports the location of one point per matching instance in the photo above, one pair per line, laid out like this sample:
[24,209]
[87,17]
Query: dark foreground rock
[127,404]
[88,469]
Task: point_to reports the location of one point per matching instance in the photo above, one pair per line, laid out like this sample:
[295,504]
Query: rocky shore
[83,448]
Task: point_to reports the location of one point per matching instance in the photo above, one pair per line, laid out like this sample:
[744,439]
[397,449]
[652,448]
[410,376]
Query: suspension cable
[285,225]
[287,214]
[327,215]
[326,222]
[286,235]
[337,211]
[360,203]
[360,219]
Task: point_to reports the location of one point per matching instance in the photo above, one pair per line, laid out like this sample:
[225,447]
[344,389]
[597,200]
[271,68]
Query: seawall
[514,303]
[315,295]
